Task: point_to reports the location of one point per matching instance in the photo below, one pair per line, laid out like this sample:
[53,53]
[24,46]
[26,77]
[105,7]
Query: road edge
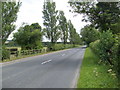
[77,74]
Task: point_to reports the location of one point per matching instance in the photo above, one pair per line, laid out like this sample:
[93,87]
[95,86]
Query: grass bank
[94,74]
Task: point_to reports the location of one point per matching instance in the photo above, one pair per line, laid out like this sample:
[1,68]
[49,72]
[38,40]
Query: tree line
[31,36]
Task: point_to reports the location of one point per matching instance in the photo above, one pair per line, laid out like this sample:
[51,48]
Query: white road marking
[46,61]
[63,54]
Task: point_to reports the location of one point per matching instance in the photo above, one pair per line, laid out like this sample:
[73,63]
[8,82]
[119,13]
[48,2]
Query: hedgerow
[61,46]
[103,46]
[107,48]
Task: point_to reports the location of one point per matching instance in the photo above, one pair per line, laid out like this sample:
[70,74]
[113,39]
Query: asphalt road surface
[54,70]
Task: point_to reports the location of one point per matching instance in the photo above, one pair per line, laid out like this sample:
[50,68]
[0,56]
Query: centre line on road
[46,61]
[63,54]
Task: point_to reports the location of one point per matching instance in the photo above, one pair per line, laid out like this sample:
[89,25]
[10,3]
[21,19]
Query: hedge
[103,46]
[61,46]
[108,50]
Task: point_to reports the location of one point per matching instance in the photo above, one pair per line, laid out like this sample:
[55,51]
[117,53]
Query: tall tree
[63,25]
[9,16]
[73,35]
[50,21]
[71,31]
[101,14]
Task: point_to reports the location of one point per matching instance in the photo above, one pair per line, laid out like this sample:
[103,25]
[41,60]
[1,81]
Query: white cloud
[31,12]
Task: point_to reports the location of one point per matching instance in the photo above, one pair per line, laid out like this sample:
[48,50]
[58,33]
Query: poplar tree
[9,16]
[50,22]
[63,25]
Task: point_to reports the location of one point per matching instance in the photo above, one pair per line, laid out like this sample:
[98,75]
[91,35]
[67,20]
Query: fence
[27,52]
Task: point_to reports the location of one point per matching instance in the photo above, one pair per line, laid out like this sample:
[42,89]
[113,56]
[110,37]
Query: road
[54,70]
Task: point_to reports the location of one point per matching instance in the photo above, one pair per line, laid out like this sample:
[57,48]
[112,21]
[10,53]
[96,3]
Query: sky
[31,12]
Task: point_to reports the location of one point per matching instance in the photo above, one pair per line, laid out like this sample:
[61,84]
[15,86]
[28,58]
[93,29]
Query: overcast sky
[31,12]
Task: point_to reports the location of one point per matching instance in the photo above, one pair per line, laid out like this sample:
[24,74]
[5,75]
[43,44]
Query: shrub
[56,47]
[95,46]
[116,55]
[5,53]
[105,45]
[108,49]
[69,46]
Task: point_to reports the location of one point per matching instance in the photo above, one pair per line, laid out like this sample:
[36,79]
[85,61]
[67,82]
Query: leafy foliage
[50,21]
[5,53]
[104,16]
[116,28]
[74,37]
[108,49]
[29,37]
[63,25]
[116,55]
[101,14]
[62,46]
[9,16]
[103,47]
[89,34]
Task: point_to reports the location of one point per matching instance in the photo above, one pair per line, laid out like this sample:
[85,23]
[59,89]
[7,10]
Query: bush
[69,46]
[95,46]
[116,55]
[5,53]
[103,46]
[108,49]
[62,46]
[58,47]
[106,43]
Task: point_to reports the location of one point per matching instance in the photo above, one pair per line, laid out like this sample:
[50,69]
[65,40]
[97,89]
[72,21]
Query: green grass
[95,75]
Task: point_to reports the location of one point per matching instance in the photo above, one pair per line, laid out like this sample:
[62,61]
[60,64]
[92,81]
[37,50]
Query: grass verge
[95,75]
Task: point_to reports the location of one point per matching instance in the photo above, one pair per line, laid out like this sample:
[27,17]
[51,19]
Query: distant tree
[63,26]
[77,39]
[71,31]
[9,16]
[50,22]
[29,36]
[73,35]
[89,34]
[101,14]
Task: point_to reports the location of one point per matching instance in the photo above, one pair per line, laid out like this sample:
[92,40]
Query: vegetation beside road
[29,53]
[103,34]
[95,74]
[30,37]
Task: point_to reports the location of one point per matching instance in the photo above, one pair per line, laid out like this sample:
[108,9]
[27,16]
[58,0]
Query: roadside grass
[25,56]
[94,74]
